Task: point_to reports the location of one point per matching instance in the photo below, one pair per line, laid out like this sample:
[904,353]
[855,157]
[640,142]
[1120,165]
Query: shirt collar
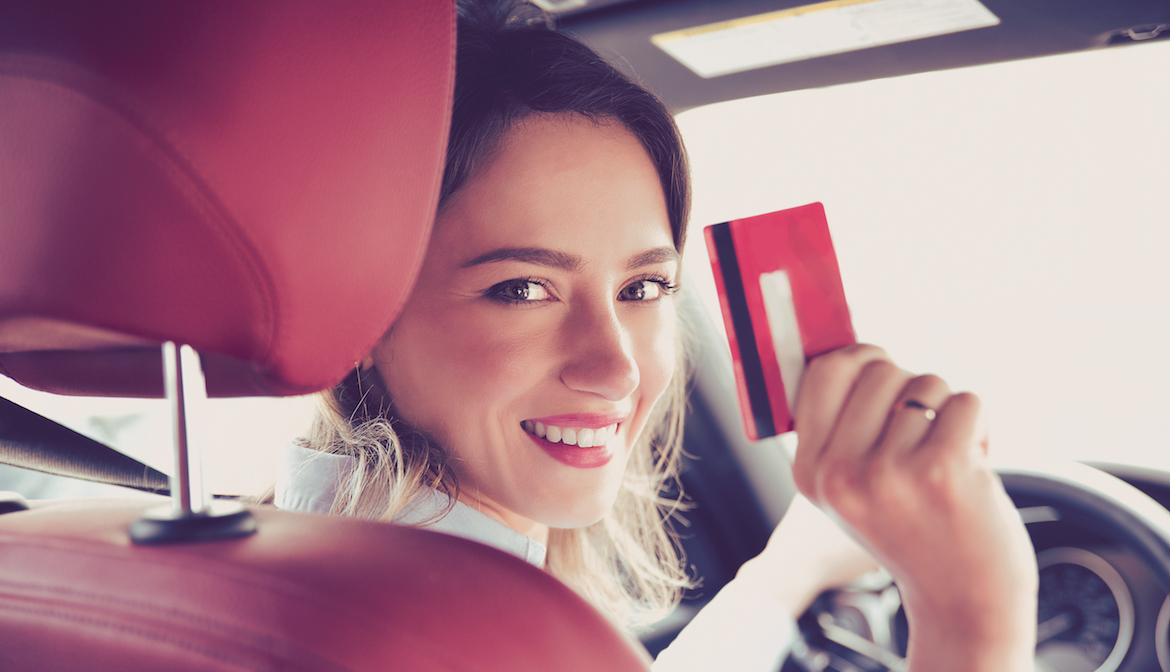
[307,481]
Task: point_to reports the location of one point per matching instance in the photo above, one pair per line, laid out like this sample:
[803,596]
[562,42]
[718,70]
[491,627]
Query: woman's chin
[583,513]
[576,522]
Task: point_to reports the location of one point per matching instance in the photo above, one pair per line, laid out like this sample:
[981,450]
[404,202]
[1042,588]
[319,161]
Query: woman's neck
[538,532]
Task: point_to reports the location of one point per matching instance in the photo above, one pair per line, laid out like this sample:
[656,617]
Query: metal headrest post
[191,516]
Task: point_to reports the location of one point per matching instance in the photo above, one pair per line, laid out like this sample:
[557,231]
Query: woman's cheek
[659,358]
[496,366]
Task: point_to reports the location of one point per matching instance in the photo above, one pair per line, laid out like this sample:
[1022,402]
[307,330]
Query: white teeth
[600,435]
[584,437]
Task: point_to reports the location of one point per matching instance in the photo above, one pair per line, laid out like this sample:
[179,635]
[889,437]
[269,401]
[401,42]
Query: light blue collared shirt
[307,481]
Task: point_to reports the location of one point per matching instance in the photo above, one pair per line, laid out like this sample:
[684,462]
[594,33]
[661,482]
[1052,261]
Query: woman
[530,394]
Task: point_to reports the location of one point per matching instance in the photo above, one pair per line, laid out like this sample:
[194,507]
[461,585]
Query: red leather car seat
[305,593]
[257,180]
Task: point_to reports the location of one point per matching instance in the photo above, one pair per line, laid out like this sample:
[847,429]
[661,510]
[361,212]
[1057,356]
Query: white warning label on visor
[817,30]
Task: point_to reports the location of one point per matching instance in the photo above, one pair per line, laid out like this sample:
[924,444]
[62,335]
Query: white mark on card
[786,341]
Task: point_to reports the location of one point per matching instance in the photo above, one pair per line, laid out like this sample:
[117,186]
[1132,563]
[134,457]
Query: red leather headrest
[257,180]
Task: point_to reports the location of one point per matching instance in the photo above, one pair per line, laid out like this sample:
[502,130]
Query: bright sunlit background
[1006,227]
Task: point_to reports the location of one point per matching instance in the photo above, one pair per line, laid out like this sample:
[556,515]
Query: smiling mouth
[582,437]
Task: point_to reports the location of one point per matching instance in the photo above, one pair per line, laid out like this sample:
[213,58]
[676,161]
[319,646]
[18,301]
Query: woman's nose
[600,357]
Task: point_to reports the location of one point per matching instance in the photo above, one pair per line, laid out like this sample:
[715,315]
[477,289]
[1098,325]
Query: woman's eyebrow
[658,255]
[531,255]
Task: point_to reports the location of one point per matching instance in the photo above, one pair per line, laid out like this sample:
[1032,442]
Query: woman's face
[541,331]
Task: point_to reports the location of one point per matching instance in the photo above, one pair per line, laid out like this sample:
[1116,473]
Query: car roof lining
[1027,29]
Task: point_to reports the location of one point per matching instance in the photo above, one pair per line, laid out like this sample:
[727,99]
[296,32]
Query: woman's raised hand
[900,462]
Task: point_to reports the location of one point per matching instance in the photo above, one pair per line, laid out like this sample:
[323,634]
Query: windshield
[1003,226]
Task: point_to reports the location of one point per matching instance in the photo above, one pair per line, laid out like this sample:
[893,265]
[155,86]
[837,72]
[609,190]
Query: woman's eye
[519,291]
[645,290]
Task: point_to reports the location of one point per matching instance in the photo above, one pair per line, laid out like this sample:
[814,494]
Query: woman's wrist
[956,652]
[972,640]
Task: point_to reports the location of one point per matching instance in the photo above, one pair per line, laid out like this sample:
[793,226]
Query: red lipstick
[575,456]
[587,457]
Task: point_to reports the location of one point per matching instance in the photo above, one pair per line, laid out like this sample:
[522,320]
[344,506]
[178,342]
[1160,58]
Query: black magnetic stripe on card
[745,336]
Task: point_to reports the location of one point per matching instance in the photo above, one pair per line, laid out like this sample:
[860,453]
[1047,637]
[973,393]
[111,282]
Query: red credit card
[783,304]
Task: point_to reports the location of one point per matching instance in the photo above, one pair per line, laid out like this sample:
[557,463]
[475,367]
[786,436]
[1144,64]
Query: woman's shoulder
[308,481]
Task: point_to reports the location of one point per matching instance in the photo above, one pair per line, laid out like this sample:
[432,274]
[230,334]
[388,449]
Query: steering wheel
[863,628]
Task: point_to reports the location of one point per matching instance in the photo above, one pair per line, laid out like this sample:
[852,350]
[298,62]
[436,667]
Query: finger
[982,433]
[911,417]
[865,414]
[823,391]
[955,430]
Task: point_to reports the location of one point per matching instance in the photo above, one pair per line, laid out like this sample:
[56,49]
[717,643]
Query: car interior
[190,194]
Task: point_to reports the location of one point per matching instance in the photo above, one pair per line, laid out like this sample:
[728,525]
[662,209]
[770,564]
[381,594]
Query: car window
[1004,226]
[240,437]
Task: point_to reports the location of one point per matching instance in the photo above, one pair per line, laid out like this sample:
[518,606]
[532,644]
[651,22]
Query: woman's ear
[367,364]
